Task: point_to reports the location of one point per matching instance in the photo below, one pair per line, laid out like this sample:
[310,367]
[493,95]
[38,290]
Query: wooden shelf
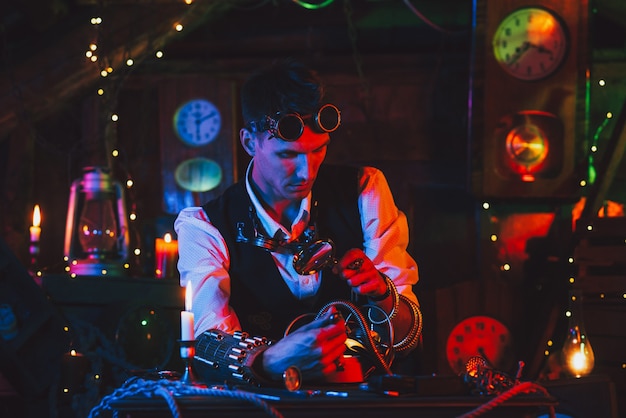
[106,290]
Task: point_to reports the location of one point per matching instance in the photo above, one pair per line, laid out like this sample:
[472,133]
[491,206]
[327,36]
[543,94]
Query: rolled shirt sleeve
[386,232]
[204,261]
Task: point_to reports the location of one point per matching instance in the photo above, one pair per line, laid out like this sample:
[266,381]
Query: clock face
[478,336]
[197,122]
[530,43]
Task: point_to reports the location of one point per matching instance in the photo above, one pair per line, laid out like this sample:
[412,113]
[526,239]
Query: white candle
[186,317]
[35,230]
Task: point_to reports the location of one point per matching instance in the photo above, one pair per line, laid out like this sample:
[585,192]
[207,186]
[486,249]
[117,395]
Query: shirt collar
[273,228]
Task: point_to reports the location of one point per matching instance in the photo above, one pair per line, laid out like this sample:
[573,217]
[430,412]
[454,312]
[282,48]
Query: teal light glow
[313,6]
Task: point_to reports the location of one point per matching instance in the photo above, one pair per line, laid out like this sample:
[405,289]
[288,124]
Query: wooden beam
[606,169]
[36,87]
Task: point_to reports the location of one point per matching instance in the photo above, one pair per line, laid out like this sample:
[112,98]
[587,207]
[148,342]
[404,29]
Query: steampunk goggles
[289,126]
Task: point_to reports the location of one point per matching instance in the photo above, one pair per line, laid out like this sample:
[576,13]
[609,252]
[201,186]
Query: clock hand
[519,52]
[205,117]
[542,49]
[198,118]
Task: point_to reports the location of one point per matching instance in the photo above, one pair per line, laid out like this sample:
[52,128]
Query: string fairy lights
[115,56]
[577,358]
[569,273]
[110,67]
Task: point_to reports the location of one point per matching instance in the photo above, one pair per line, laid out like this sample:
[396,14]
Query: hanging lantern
[96,232]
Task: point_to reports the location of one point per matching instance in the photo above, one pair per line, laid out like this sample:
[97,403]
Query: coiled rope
[526,387]
[169,390]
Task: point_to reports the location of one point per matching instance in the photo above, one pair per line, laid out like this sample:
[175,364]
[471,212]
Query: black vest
[263,302]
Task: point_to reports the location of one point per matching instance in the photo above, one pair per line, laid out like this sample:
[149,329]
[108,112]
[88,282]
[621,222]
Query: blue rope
[169,390]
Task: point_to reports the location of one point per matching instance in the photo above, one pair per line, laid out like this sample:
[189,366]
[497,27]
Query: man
[238,250]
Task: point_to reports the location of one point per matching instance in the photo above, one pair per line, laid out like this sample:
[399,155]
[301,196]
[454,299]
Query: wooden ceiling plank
[37,86]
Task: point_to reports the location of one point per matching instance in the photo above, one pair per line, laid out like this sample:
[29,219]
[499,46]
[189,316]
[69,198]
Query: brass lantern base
[95,267]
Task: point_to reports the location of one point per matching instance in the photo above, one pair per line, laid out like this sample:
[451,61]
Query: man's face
[285,170]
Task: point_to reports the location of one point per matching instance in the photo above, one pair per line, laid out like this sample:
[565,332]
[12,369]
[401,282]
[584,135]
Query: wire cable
[428,21]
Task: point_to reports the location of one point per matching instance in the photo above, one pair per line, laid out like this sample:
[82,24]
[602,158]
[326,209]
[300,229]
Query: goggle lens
[289,127]
[328,118]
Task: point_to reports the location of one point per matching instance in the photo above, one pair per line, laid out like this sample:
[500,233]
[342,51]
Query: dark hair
[284,86]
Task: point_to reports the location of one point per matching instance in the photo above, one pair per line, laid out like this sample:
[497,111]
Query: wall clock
[530,43]
[478,336]
[530,56]
[197,122]
[202,167]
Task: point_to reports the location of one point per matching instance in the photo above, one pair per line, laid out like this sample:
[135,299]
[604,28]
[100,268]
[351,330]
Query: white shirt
[204,259]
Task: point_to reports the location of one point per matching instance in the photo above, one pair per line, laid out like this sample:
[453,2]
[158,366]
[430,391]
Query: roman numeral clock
[528,91]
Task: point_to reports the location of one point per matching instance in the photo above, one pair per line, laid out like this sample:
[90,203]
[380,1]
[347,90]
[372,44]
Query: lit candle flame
[167,237]
[36,216]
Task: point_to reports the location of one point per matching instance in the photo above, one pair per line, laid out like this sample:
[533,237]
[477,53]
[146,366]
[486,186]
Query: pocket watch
[197,122]
[530,43]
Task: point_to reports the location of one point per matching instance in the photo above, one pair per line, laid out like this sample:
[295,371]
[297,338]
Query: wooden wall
[406,114]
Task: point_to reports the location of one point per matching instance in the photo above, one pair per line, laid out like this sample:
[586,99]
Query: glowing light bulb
[577,352]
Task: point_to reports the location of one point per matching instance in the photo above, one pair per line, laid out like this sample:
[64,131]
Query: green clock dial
[530,43]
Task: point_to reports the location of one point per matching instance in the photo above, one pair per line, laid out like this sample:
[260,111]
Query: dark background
[401,72]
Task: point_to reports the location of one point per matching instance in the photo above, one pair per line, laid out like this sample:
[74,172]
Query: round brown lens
[290,127]
[328,118]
